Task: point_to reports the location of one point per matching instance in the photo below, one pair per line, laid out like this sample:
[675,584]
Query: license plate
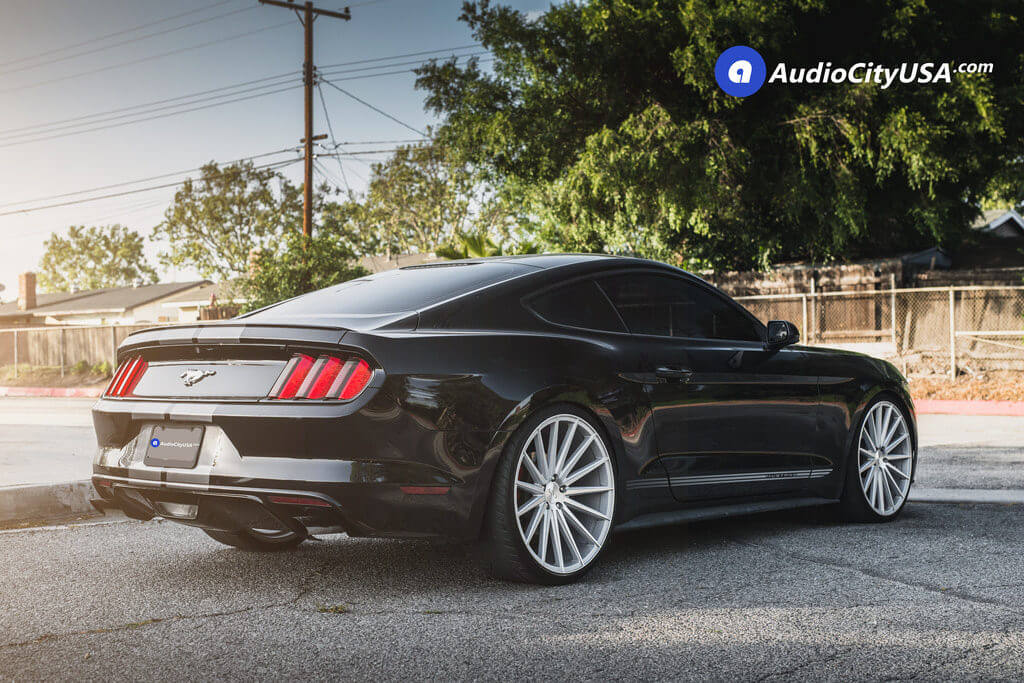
[174,446]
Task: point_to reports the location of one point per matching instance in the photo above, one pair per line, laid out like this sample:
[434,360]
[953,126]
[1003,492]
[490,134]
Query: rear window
[581,304]
[395,291]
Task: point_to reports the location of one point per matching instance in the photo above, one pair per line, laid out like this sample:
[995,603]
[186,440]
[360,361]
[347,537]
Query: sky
[60,61]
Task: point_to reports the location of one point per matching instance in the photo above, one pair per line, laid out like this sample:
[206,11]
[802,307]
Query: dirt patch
[37,376]
[993,386]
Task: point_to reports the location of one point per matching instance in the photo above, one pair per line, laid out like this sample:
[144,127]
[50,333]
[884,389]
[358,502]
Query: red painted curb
[939,407]
[51,392]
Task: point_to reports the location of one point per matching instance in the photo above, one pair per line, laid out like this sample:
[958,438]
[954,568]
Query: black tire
[853,505]
[254,542]
[504,552]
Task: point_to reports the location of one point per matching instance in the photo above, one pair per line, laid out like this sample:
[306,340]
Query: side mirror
[782,333]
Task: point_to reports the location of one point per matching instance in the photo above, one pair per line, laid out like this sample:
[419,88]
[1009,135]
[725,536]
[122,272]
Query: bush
[80,368]
[102,368]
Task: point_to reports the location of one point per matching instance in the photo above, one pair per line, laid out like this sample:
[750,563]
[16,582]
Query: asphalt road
[937,595]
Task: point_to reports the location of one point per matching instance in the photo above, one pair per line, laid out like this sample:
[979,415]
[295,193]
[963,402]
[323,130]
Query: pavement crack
[305,587]
[874,574]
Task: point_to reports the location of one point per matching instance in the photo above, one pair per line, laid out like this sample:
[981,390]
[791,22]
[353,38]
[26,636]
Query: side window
[671,307]
[580,304]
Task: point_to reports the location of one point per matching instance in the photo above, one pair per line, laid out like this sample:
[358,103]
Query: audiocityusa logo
[741,71]
[156,443]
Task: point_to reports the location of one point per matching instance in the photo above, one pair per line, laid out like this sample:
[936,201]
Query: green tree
[480,246]
[605,118]
[216,220]
[419,199]
[293,265]
[93,258]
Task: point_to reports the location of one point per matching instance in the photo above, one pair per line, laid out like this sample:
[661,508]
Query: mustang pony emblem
[191,377]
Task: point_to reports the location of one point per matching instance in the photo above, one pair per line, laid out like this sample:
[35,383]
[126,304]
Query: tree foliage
[94,258]
[605,119]
[420,199]
[294,265]
[217,219]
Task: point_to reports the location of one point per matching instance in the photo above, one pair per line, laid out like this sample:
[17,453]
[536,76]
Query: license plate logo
[174,446]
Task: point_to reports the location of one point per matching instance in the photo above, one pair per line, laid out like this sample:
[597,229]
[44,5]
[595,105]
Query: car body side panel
[848,382]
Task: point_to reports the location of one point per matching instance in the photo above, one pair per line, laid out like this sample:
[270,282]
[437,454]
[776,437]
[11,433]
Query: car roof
[543,261]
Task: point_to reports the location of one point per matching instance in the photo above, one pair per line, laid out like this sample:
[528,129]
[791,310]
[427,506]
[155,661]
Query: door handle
[674,372]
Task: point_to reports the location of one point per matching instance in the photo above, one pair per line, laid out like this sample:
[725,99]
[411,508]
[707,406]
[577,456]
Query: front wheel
[552,499]
[880,467]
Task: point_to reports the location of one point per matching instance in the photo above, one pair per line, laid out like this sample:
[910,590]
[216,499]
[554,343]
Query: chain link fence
[928,330]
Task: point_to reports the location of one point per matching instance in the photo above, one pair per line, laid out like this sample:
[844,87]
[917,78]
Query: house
[111,305]
[209,301]
[378,264]
[1000,223]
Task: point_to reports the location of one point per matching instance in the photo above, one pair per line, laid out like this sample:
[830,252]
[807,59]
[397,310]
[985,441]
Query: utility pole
[307,14]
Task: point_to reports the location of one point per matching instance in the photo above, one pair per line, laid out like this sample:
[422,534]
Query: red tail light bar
[126,377]
[325,377]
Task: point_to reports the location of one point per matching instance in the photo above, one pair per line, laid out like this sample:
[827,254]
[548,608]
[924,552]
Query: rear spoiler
[220,333]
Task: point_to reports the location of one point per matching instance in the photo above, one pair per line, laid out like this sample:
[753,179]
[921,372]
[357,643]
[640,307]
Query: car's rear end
[325,411]
[270,427]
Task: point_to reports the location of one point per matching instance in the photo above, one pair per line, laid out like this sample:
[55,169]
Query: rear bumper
[375,496]
[363,510]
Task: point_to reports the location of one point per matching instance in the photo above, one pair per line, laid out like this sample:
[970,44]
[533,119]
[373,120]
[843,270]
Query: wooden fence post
[15,354]
[952,334]
[113,348]
[892,309]
[814,311]
[803,301]
[62,352]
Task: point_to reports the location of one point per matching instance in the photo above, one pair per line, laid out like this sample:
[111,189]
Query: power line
[141,60]
[3,133]
[330,129]
[74,125]
[388,66]
[376,109]
[276,164]
[149,118]
[71,126]
[407,54]
[115,34]
[128,41]
[49,124]
[384,73]
[142,180]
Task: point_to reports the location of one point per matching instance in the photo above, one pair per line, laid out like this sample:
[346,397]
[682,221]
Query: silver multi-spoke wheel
[565,493]
[885,458]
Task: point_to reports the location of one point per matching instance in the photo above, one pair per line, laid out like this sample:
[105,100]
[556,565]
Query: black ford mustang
[535,403]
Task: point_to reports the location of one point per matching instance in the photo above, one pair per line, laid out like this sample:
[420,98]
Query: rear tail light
[126,377]
[326,377]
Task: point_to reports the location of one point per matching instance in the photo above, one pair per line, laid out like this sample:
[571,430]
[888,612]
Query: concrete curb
[941,407]
[45,502]
[997,496]
[52,392]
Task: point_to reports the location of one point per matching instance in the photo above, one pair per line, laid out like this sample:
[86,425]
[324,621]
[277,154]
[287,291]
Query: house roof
[377,264]
[108,300]
[992,219]
[225,292]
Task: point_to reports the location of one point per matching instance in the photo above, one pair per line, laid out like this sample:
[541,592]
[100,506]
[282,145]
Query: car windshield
[394,291]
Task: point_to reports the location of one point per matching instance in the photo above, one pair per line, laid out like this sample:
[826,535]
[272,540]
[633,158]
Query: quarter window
[580,304]
[671,307]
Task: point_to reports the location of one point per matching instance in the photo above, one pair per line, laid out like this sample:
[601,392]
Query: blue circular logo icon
[154,443]
[740,71]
